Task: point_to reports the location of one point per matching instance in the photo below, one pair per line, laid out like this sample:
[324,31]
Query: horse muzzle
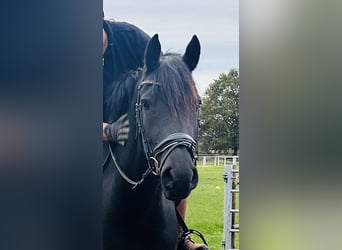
[174,160]
[179,175]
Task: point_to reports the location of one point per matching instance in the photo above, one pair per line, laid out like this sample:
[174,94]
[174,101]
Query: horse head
[167,117]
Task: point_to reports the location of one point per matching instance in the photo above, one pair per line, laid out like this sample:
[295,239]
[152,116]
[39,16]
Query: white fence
[216,160]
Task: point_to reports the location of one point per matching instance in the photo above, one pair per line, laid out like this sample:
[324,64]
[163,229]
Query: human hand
[118,131]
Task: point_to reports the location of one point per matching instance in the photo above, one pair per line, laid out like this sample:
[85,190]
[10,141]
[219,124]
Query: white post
[204,161]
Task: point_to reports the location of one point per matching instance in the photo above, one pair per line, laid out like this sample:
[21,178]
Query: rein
[186,231]
[124,176]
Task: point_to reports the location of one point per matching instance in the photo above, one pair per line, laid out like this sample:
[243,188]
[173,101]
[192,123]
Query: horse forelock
[177,88]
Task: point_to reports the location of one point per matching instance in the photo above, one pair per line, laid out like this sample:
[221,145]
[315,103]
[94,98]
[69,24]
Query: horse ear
[152,53]
[192,53]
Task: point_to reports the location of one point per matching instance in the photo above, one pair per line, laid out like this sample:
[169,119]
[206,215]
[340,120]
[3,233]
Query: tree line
[219,126]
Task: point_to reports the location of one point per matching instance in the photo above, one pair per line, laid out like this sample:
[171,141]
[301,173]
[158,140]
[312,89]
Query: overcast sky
[215,22]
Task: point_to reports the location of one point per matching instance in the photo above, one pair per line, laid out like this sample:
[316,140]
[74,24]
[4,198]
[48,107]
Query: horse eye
[145,104]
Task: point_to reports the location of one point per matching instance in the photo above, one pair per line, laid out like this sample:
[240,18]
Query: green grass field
[205,207]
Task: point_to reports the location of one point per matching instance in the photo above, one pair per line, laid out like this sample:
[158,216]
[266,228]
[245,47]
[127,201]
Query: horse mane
[122,93]
[177,86]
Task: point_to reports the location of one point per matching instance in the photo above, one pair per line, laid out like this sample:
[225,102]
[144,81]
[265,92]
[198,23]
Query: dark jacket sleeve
[127,48]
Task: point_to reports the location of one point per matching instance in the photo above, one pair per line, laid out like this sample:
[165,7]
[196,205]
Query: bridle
[157,155]
[167,145]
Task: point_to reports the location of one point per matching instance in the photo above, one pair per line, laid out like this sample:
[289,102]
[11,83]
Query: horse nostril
[194,180]
[168,179]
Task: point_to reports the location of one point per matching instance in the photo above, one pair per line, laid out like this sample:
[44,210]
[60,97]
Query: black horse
[145,179]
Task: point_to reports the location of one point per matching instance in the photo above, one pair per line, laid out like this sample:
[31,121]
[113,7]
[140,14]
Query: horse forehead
[147,89]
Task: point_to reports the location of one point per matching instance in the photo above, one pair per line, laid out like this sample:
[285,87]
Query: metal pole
[226,242]
[233,205]
[230,209]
